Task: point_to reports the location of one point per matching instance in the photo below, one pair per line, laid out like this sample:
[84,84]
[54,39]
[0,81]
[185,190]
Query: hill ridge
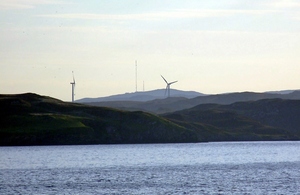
[172,104]
[142,96]
[31,119]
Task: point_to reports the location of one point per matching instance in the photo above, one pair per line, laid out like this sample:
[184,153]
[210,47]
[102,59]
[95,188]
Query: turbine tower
[73,87]
[168,85]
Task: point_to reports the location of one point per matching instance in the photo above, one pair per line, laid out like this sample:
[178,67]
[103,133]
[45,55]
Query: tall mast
[135,76]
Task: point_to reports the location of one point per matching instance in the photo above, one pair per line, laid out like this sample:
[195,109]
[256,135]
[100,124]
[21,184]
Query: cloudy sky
[212,47]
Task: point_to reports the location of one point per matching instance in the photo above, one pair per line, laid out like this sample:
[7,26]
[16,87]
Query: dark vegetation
[267,119]
[30,119]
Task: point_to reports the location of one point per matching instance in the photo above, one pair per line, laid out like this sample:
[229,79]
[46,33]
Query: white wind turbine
[73,87]
[168,85]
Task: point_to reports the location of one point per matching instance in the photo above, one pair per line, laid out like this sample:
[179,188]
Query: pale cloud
[284,4]
[173,14]
[24,4]
[289,7]
[296,16]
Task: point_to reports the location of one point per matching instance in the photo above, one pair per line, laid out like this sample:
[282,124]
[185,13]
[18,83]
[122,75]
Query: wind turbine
[73,87]
[168,85]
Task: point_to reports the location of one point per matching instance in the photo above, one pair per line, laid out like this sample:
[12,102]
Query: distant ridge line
[143,96]
[165,105]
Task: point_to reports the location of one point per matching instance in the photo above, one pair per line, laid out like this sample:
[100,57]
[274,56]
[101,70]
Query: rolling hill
[253,118]
[31,119]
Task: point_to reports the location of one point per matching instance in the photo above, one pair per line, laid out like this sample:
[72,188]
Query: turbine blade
[164,79]
[173,82]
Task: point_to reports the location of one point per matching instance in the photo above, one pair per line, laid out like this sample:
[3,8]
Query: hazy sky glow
[211,47]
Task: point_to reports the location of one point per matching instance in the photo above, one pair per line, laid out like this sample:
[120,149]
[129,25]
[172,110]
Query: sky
[212,47]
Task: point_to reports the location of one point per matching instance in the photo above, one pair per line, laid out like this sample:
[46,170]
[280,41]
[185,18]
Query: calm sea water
[202,168]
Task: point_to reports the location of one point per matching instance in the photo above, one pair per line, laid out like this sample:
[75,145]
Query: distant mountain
[281,92]
[172,104]
[143,96]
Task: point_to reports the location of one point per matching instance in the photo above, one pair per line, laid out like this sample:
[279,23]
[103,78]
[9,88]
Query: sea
[192,168]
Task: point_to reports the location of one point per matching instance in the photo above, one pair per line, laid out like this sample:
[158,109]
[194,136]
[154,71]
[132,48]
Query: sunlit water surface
[202,168]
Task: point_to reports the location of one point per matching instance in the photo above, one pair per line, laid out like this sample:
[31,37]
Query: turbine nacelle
[168,85]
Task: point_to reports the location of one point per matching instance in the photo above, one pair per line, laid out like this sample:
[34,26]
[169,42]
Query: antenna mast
[135,76]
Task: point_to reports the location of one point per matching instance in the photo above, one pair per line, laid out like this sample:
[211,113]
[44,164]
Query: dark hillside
[229,126]
[154,106]
[30,119]
[280,113]
[274,112]
[269,118]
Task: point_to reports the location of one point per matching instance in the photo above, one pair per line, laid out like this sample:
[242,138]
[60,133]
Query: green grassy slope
[30,119]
